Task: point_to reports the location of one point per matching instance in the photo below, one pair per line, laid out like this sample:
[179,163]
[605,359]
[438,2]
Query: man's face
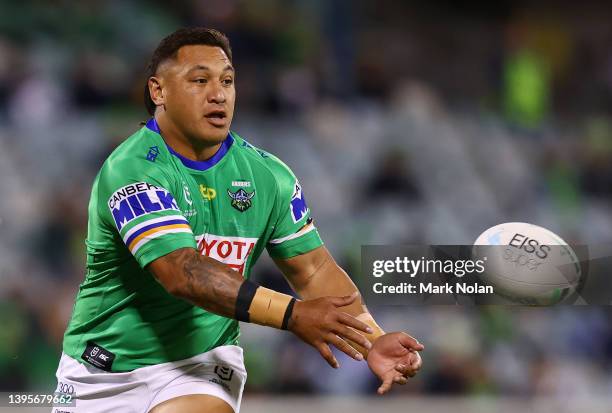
[197,91]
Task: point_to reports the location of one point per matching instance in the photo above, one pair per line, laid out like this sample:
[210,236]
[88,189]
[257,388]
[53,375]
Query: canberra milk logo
[134,200]
[299,209]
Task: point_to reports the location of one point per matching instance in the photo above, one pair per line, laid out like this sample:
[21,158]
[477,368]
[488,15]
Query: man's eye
[228,81]
[201,81]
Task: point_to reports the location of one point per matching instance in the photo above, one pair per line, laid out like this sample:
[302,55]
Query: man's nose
[216,93]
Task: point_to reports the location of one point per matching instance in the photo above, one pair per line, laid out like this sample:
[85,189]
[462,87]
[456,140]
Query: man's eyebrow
[202,67]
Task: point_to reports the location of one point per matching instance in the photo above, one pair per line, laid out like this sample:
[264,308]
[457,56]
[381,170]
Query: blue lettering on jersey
[139,199]
[146,203]
[136,207]
[122,214]
[299,209]
[167,200]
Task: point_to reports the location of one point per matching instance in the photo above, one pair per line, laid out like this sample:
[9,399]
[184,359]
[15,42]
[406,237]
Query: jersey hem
[78,359]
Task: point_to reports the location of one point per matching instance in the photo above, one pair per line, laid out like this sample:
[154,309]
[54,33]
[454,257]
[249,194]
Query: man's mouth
[216,117]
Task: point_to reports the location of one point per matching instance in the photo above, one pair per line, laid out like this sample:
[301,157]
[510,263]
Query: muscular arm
[215,287]
[316,274]
[392,357]
[201,280]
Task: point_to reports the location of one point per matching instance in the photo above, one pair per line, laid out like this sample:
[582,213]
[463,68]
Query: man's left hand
[393,358]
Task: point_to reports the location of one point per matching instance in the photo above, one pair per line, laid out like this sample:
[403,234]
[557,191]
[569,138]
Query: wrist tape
[377,332]
[259,305]
[369,320]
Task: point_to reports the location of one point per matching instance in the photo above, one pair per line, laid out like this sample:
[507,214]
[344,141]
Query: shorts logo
[224,373]
[241,199]
[298,206]
[207,192]
[232,251]
[134,200]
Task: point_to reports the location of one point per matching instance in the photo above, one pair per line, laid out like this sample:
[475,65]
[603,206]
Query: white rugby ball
[527,264]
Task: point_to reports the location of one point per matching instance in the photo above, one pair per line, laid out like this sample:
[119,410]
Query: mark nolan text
[431,288]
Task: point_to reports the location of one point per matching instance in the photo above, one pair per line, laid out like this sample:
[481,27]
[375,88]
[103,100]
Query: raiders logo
[241,199]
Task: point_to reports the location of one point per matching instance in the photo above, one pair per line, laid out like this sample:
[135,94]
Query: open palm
[393,357]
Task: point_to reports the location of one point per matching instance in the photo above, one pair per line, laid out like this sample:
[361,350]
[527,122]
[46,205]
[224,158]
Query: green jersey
[148,201]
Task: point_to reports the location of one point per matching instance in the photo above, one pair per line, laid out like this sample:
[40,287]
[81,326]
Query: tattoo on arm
[200,280]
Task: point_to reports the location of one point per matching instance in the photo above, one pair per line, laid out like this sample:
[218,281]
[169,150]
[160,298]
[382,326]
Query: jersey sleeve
[294,232]
[138,200]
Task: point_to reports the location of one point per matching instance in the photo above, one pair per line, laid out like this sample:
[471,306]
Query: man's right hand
[321,322]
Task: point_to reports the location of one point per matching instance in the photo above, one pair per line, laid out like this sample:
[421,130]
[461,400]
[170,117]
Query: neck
[195,150]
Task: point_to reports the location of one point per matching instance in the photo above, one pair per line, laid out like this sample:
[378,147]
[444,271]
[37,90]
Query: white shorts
[219,372]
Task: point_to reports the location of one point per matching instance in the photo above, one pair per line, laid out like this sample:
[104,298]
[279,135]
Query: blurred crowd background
[406,123]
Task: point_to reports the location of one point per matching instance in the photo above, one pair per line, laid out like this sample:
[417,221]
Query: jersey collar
[197,165]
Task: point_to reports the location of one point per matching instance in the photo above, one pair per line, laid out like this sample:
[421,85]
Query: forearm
[214,286]
[209,284]
[203,281]
[328,278]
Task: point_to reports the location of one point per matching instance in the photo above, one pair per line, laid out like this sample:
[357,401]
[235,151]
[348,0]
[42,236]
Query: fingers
[350,334]
[327,354]
[344,301]
[406,370]
[410,342]
[341,345]
[351,321]
[417,362]
[390,380]
[345,347]
[403,369]
[386,384]
[399,379]
[411,368]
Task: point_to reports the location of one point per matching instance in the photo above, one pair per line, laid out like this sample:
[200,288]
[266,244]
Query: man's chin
[213,135]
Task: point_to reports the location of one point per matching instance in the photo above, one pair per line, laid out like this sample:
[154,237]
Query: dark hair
[170,45]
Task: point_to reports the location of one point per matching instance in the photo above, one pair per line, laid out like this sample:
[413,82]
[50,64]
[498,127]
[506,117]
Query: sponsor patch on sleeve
[138,199]
[298,206]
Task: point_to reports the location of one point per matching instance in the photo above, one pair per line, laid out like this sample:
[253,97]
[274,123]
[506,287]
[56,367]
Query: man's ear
[156,91]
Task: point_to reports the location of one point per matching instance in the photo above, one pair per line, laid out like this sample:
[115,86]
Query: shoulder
[265,162]
[141,156]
